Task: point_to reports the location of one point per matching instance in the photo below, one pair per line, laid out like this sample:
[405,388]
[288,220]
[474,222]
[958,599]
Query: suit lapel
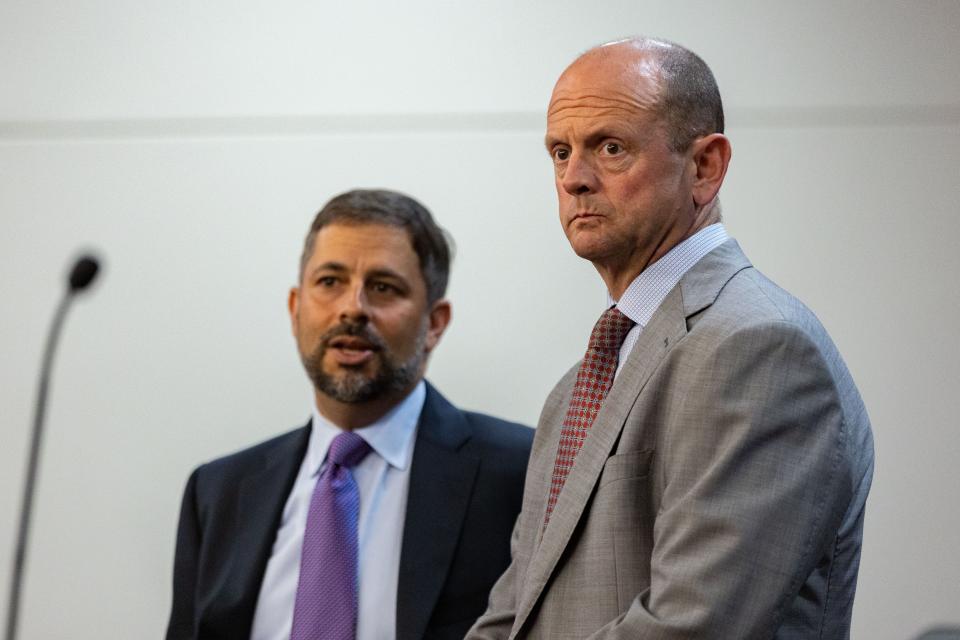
[441,482]
[536,488]
[261,497]
[701,285]
[664,329]
[696,291]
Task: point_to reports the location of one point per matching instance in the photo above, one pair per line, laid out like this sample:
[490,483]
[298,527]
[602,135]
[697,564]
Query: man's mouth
[351,351]
[585,215]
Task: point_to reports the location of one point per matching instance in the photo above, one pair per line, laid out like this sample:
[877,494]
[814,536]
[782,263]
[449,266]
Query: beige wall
[192,142]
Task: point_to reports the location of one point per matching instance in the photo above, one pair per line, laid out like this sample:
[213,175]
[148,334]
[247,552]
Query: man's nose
[579,175]
[354,306]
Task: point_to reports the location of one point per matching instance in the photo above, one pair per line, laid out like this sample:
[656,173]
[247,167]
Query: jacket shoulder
[233,466]
[500,434]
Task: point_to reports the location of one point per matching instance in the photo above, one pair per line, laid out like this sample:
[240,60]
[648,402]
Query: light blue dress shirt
[383,478]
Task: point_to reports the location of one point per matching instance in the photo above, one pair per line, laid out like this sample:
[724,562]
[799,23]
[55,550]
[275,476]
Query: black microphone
[83,273]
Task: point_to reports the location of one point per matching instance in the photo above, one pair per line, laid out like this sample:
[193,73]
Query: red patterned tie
[593,381]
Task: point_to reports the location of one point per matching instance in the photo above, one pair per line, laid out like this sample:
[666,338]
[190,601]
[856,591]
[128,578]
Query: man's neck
[618,274]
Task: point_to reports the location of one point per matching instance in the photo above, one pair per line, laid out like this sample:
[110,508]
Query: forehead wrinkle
[603,99]
[578,111]
[602,115]
[599,93]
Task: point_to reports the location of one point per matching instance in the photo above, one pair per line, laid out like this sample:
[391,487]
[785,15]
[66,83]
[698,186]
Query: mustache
[352,329]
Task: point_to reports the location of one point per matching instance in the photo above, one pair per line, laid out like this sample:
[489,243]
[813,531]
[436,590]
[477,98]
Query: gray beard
[353,387]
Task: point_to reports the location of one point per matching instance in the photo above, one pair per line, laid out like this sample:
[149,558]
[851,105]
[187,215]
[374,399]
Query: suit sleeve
[754,489]
[497,620]
[185,563]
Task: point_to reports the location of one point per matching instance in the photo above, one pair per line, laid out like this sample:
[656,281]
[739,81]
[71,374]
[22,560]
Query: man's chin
[588,248]
[368,381]
[596,243]
[351,387]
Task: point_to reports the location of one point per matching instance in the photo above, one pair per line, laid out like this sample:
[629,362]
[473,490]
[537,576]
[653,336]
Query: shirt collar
[648,289]
[391,437]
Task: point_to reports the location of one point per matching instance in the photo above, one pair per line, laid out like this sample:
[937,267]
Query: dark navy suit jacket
[466,484]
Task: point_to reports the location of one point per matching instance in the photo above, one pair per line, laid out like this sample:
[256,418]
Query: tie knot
[610,331]
[348,449]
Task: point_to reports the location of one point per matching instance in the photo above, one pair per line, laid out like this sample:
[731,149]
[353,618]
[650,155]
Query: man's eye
[383,287]
[326,281]
[612,148]
[561,154]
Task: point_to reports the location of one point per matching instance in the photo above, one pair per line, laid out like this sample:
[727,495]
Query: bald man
[702,472]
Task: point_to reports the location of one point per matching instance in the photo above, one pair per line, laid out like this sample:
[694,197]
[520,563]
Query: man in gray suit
[702,473]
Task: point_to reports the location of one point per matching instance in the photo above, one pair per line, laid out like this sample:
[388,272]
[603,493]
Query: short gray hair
[689,100]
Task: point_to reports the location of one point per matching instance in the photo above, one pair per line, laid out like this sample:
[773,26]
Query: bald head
[634,133]
[663,77]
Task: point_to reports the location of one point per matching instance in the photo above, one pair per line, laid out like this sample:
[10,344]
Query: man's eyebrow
[601,132]
[328,266]
[550,140]
[377,272]
[592,137]
[386,272]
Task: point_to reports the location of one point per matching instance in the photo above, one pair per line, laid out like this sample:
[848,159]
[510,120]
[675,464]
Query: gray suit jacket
[720,492]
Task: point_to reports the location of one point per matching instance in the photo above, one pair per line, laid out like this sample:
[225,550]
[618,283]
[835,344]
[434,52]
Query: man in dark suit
[389,514]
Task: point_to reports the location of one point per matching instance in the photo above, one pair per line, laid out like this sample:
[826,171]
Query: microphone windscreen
[83,273]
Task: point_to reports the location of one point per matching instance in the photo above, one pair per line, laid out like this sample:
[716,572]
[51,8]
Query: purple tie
[326,604]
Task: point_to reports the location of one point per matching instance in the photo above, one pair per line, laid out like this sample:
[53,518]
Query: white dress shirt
[647,291]
[383,478]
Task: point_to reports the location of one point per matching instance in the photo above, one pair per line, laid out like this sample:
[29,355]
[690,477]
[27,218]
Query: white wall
[192,142]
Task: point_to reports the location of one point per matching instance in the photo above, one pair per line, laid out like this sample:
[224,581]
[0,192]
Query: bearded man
[389,514]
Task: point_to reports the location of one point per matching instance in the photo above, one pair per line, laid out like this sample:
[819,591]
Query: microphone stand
[77,283]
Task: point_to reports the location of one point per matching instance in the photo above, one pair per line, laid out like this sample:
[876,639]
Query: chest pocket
[626,466]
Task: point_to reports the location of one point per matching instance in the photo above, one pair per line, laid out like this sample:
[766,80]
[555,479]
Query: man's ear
[711,157]
[293,305]
[437,321]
